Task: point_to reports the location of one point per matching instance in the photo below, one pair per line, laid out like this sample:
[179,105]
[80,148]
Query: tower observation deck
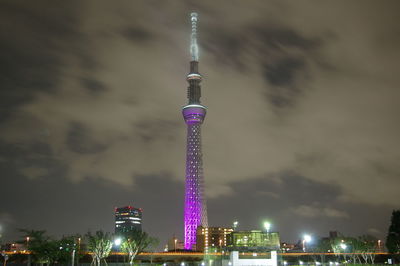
[195,213]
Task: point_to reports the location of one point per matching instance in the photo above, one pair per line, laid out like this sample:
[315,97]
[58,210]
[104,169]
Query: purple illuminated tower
[194,113]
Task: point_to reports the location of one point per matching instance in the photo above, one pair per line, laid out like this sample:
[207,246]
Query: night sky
[302,126]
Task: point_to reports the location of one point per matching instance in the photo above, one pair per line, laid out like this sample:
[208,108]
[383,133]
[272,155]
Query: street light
[306,239]
[235,225]
[79,250]
[343,246]
[267,226]
[117,241]
[175,244]
[27,247]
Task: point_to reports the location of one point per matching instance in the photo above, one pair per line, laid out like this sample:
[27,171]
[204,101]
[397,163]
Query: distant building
[333,234]
[127,219]
[174,244]
[14,247]
[208,237]
[254,240]
[285,247]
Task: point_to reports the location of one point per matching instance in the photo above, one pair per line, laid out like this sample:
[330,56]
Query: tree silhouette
[135,242]
[99,245]
[393,237]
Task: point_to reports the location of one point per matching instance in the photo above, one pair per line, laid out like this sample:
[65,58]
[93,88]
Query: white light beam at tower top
[194,49]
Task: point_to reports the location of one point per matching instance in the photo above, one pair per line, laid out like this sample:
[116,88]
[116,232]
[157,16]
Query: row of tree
[357,249]
[47,250]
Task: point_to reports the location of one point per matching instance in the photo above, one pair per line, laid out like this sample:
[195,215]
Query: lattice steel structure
[194,113]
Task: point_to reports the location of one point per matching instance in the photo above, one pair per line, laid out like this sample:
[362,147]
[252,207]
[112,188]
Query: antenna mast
[194,49]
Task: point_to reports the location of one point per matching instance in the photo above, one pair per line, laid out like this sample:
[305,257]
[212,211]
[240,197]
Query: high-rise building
[212,237]
[194,113]
[127,219]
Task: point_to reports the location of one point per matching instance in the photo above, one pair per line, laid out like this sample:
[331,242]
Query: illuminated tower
[194,113]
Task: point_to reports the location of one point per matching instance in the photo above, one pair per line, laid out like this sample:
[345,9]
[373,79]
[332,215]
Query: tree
[344,246]
[99,245]
[356,248]
[42,247]
[368,247]
[135,242]
[322,246]
[45,249]
[66,247]
[393,237]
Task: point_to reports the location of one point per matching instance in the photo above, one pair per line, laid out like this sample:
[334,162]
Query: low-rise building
[211,237]
[254,240]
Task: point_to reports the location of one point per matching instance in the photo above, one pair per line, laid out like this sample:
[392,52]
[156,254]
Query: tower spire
[194,49]
[194,77]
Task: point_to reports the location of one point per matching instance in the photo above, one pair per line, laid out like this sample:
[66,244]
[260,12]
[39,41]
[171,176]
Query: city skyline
[303,131]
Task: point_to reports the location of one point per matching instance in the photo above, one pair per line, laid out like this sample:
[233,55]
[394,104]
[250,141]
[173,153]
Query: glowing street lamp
[79,250]
[343,246]
[267,226]
[175,243]
[306,239]
[235,225]
[27,247]
[117,241]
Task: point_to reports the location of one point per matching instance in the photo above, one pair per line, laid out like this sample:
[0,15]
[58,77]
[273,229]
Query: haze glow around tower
[194,113]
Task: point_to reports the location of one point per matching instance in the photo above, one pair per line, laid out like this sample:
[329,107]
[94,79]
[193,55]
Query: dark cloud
[136,34]
[81,140]
[283,75]
[266,41]
[33,43]
[281,53]
[93,86]
[279,38]
[150,130]
[283,72]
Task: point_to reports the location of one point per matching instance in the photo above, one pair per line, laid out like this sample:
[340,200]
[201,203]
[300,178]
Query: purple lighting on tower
[194,114]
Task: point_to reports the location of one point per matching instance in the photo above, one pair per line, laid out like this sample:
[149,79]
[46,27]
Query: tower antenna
[194,49]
